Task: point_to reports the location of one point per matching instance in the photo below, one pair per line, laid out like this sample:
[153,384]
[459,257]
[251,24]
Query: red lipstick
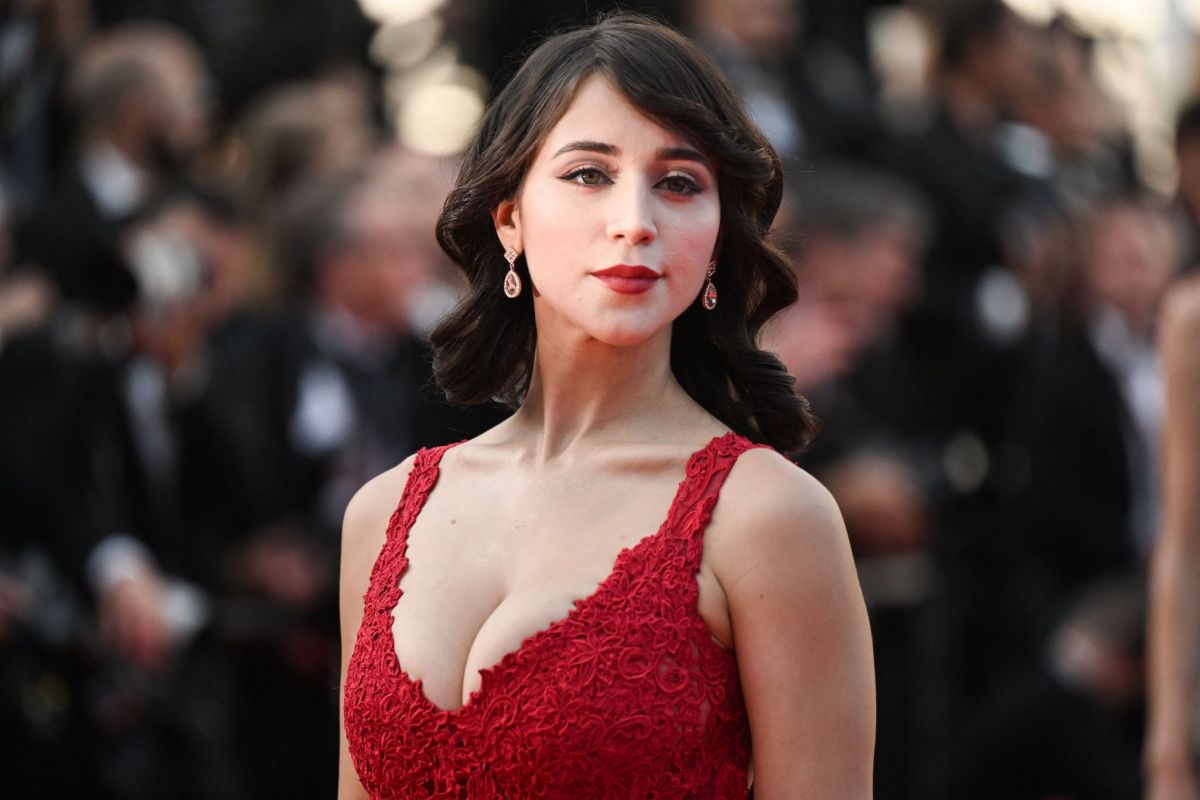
[627,279]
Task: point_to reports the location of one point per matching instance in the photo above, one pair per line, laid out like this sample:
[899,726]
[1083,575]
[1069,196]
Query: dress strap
[706,473]
[383,590]
[421,480]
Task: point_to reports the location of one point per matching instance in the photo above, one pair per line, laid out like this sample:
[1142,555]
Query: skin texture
[1175,580]
[530,516]
[643,210]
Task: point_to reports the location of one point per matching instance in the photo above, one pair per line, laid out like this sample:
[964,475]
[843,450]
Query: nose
[631,214]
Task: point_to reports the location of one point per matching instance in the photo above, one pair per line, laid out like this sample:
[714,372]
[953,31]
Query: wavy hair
[484,349]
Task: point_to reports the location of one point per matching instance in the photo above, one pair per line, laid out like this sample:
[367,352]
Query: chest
[495,563]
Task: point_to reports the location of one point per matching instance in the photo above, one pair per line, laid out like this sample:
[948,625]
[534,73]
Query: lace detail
[627,696]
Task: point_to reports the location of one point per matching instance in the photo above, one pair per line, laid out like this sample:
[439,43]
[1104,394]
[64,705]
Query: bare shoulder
[800,629]
[771,508]
[377,497]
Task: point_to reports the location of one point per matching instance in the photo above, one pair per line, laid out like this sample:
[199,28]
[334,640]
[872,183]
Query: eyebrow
[662,154]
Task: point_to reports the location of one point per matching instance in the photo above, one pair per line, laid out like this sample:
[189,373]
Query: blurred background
[217,267]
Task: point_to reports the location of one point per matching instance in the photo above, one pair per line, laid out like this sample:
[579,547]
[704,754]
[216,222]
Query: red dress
[628,696]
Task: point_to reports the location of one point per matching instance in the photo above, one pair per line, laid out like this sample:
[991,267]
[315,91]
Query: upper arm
[364,531]
[1180,345]
[800,632]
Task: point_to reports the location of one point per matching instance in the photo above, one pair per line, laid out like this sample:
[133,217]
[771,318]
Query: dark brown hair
[484,349]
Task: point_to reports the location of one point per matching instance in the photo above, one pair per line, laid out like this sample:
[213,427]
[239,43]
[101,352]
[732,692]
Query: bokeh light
[404,45]
[398,12]
[438,114]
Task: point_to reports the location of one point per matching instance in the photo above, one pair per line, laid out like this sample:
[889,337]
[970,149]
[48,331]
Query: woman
[1175,580]
[516,627]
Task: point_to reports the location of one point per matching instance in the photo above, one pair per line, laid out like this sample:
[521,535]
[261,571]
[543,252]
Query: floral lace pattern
[628,696]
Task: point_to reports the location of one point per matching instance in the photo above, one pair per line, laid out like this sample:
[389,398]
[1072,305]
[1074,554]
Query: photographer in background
[138,99]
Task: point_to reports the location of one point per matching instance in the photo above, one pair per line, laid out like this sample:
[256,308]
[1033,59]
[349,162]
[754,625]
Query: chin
[627,335]
[613,326]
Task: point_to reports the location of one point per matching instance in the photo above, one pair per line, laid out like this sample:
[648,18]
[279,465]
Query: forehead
[600,112]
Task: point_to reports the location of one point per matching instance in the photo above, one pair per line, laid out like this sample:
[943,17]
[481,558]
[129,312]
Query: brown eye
[587,176]
[679,184]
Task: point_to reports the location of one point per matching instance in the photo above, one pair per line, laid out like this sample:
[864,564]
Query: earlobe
[507,219]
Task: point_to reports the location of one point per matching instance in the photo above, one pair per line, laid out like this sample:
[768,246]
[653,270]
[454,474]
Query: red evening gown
[628,696]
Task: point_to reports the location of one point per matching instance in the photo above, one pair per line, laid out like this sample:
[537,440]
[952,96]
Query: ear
[507,219]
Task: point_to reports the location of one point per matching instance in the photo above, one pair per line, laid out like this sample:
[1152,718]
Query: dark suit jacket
[1039,738]
[396,407]
[1079,493]
[69,238]
[46,407]
[190,509]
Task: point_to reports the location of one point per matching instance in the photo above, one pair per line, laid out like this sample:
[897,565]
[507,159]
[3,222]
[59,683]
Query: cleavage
[478,585]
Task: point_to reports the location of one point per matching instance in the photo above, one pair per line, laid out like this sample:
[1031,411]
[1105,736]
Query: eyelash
[691,187]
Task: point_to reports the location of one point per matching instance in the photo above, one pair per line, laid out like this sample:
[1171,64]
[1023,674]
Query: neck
[583,390]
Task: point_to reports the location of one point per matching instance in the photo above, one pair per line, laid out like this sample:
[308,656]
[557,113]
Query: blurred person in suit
[1071,725]
[952,341]
[296,134]
[980,73]
[959,348]
[299,132]
[139,98]
[1171,742]
[1066,129]
[44,539]
[173,482]
[346,381]
[1094,407]
[70,538]
[811,98]
[854,234]
[36,40]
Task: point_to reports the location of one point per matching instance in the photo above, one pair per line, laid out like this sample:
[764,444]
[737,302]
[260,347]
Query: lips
[627,279]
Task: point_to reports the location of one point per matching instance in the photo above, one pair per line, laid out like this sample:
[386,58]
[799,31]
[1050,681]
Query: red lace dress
[628,696]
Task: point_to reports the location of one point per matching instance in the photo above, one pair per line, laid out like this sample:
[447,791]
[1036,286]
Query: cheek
[561,232]
[552,237]
[693,238]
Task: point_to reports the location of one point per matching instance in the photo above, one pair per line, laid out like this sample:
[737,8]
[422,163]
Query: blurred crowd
[217,266]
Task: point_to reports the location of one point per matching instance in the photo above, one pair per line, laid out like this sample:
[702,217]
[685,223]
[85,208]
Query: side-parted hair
[484,349]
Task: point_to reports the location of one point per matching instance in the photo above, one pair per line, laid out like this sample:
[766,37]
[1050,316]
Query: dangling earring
[512,281]
[709,299]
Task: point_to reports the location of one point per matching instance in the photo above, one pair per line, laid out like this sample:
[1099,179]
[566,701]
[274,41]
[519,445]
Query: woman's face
[617,218]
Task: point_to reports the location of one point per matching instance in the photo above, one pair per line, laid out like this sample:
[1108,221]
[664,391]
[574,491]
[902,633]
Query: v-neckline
[489,674]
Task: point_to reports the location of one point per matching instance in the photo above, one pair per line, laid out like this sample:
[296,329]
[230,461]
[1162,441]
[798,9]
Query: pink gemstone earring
[512,281]
[709,298]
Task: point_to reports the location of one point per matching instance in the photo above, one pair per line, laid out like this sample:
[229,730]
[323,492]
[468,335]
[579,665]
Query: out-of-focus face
[763,28]
[184,103]
[1059,96]
[766,27]
[388,264]
[618,220]
[867,279]
[1132,256]
[1005,62]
